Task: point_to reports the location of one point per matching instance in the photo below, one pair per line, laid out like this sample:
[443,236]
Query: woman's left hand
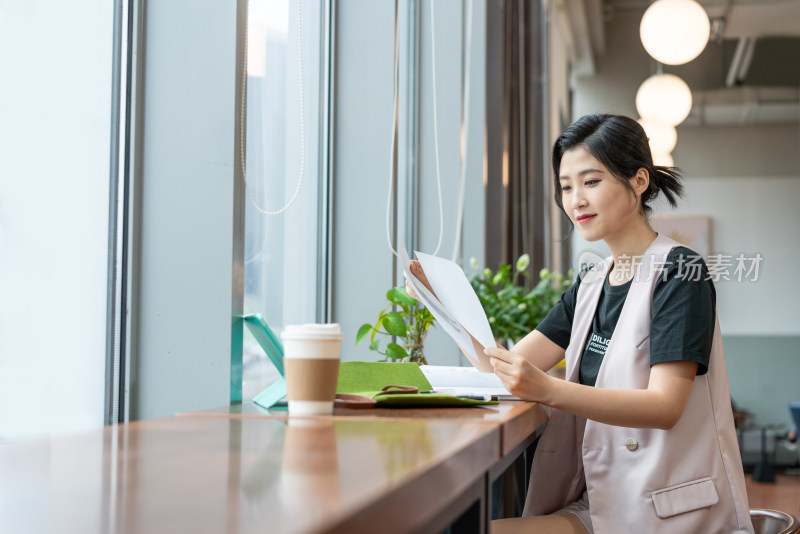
[520,377]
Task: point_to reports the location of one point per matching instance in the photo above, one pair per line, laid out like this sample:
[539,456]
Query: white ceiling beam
[774,19]
[583,51]
[597,25]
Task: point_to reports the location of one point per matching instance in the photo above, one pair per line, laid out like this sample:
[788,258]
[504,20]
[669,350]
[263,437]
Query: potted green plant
[403,318]
[512,309]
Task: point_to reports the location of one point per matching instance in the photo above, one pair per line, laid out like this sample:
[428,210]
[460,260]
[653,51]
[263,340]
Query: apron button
[632,444]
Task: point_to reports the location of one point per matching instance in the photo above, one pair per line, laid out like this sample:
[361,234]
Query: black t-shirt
[682,326]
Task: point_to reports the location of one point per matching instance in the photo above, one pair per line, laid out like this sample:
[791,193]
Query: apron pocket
[685,497]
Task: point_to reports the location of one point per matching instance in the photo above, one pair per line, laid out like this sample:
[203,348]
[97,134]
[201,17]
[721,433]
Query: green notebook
[369,378]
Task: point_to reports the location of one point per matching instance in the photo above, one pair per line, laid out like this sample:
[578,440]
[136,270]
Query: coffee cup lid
[312,331]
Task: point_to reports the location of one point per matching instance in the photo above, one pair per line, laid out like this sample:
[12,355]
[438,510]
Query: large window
[284,246]
[55,134]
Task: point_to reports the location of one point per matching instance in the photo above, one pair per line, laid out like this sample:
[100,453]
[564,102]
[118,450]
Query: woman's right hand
[419,274]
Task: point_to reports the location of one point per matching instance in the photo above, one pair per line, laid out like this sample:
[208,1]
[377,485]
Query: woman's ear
[641,181]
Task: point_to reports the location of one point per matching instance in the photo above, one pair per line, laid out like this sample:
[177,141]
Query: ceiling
[750,69]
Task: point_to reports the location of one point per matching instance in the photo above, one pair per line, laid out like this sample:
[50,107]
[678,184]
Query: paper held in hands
[457,308]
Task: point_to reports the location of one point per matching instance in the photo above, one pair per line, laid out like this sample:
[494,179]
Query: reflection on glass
[280,250]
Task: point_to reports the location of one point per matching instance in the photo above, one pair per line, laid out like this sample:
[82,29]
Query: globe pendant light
[664,99]
[662,137]
[675,31]
[663,160]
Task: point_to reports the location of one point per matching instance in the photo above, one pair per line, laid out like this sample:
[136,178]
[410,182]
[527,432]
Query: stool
[773,522]
[764,472]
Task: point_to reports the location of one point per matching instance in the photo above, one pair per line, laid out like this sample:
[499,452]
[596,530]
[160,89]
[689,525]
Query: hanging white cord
[436,129]
[435,135]
[464,140]
[396,74]
[243,124]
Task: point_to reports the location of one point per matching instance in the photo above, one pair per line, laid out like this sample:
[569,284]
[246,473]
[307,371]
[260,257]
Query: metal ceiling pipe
[740,64]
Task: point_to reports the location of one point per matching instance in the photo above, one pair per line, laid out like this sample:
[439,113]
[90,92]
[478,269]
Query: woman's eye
[591,182]
[565,188]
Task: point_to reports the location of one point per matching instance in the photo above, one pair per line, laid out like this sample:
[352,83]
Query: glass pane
[281,250]
[55,134]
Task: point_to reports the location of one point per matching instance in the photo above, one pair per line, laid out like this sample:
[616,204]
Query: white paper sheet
[457,307]
[457,295]
[447,322]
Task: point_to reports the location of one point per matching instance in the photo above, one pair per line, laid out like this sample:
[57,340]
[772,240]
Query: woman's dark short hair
[620,144]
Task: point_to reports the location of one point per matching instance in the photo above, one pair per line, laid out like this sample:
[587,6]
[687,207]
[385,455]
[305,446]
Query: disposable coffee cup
[311,364]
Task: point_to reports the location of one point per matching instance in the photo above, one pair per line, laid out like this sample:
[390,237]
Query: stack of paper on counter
[464,381]
[457,309]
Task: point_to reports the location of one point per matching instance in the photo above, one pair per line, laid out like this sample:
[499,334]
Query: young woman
[641,435]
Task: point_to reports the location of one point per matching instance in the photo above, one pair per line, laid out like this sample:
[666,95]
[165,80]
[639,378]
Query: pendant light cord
[394,134]
[392,167]
[465,138]
[243,123]
[436,129]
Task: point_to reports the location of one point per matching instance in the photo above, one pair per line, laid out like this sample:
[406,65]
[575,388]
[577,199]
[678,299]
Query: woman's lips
[583,219]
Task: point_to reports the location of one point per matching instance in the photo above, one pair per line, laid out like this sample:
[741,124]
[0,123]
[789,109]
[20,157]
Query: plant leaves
[395,351]
[374,345]
[399,295]
[363,330]
[377,326]
[394,324]
[506,292]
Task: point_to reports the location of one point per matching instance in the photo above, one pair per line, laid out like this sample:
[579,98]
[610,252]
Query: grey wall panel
[763,373]
[187,174]
[362,259]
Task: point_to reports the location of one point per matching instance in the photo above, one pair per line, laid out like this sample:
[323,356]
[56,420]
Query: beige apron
[687,479]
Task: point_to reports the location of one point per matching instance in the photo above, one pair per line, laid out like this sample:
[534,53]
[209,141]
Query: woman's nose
[578,200]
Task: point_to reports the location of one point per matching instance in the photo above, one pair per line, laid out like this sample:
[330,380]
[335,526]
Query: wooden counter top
[518,420]
[248,474]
